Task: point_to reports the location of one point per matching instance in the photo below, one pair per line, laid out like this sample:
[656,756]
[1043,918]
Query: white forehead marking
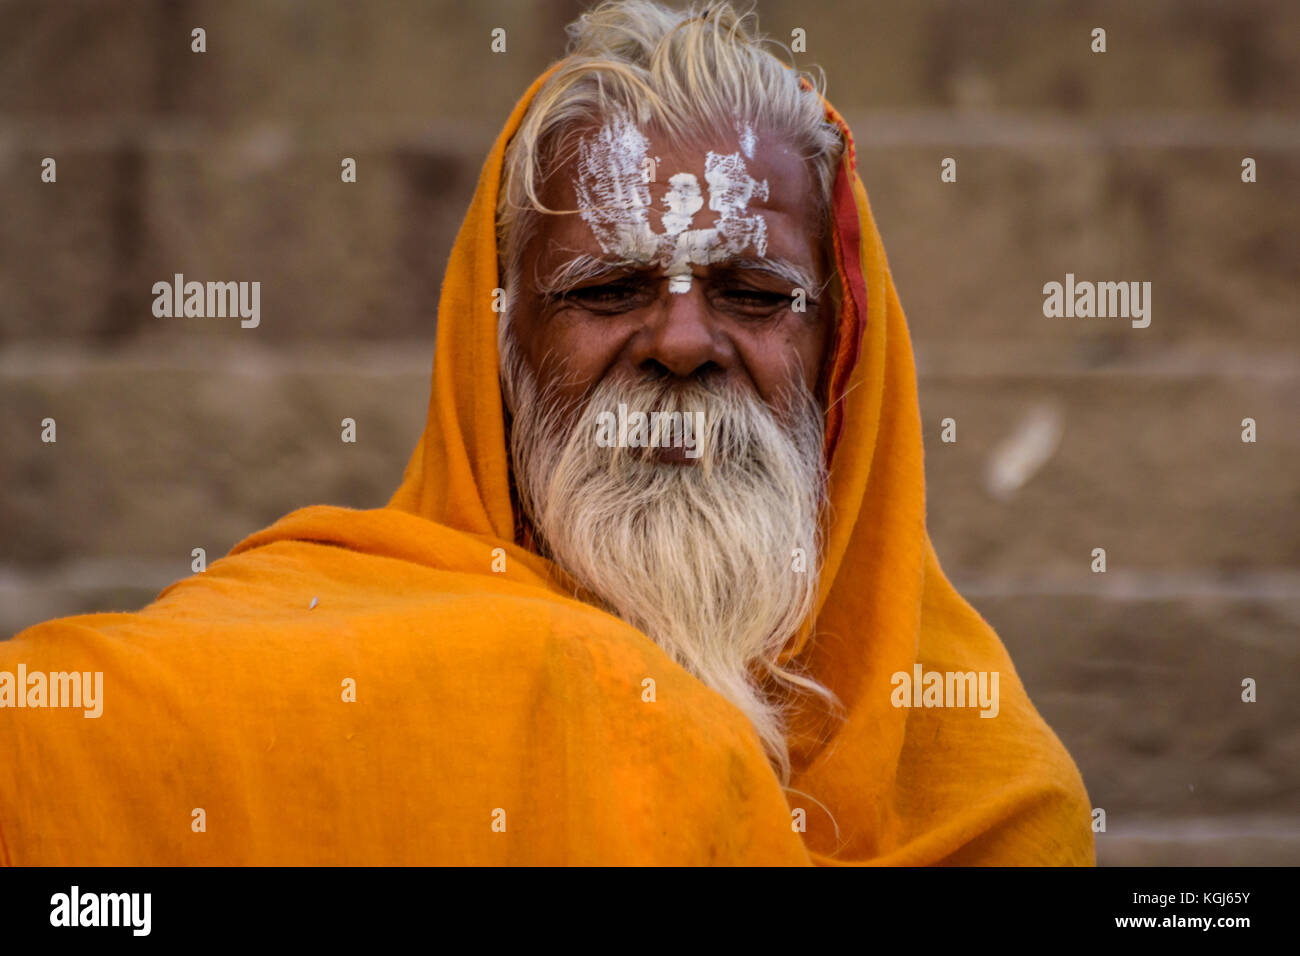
[614,199]
[683,200]
[612,192]
[748,140]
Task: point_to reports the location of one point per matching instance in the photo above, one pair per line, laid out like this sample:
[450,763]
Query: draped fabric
[409,684]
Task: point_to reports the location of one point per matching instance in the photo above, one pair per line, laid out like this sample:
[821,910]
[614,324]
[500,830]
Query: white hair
[701,558]
[689,72]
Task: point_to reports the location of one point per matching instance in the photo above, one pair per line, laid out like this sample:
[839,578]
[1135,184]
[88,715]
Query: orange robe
[444,701]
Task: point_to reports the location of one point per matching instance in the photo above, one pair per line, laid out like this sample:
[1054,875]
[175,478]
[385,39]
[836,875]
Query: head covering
[495,719]
[889,776]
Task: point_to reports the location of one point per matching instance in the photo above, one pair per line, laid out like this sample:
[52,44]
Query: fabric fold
[496,719]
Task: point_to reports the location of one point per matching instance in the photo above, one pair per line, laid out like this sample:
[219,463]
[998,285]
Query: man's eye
[755,301]
[610,296]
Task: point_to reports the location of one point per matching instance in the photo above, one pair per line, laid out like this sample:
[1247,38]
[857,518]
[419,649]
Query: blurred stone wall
[1072,434]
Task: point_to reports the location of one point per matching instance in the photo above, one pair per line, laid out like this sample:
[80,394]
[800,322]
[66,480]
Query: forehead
[732,173]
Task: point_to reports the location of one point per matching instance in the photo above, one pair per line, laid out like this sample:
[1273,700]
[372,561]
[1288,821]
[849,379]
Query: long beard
[716,561]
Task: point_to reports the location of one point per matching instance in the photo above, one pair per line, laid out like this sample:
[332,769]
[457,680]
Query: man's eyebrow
[782,269]
[582,268]
[585,267]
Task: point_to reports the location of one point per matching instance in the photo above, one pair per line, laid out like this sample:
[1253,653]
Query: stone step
[1153,470]
[1146,694]
[430,57]
[1160,53]
[434,57]
[159,452]
[1202,841]
[970,259]
[160,456]
[332,259]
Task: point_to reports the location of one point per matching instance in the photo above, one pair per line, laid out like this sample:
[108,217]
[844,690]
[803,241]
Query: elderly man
[656,587]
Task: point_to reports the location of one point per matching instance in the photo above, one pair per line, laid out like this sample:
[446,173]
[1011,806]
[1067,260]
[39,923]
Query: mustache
[726,419]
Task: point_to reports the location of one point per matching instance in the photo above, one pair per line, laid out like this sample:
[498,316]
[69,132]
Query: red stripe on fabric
[853,313]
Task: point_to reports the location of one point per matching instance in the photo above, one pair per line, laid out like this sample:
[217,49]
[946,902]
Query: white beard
[703,558]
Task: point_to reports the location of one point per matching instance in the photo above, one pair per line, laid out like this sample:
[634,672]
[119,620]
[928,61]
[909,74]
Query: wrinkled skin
[731,325]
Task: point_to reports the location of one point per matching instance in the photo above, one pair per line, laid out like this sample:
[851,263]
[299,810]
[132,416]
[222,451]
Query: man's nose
[682,335]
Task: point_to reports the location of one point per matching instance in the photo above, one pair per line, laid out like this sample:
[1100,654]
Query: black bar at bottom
[329,906]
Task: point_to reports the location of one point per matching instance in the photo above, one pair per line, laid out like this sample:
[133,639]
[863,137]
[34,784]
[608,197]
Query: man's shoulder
[308,597]
[422,627]
[401,690]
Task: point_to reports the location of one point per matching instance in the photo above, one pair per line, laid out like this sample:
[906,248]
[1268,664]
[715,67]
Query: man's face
[677,294]
[693,275]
